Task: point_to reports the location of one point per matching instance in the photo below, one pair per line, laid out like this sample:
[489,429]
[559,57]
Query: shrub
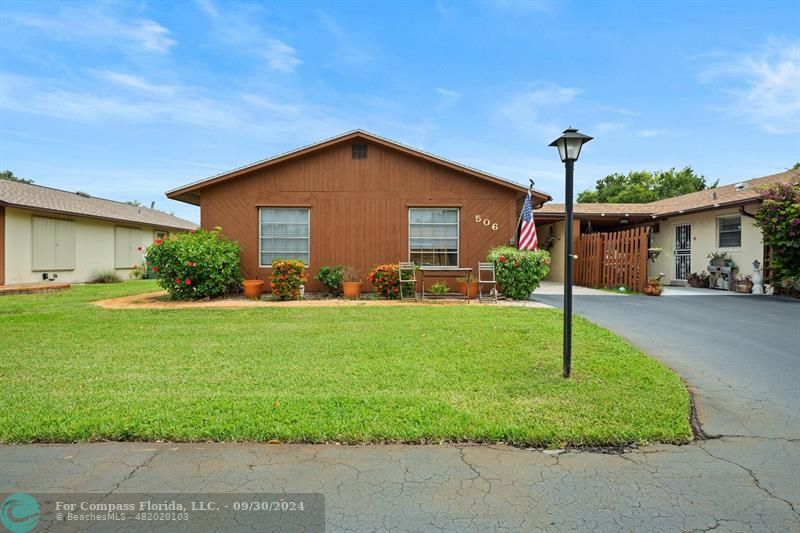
[331,278]
[139,271]
[698,280]
[440,288]
[779,221]
[288,275]
[106,276]
[518,272]
[386,280]
[197,264]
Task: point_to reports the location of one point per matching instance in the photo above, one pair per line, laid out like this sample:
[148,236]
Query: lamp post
[569,148]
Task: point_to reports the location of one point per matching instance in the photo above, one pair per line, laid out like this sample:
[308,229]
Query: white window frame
[719,231]
[457,224]
[308,213]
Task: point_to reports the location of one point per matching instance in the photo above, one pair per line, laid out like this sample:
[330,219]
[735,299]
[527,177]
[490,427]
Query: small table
[443,271]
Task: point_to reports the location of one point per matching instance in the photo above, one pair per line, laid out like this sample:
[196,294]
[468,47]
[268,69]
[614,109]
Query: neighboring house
[47,233]
[687,228]
[358,200]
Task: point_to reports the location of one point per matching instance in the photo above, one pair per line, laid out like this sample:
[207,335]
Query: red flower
[159,241]
[502,259]
[187,281]
[139,248]
[177,280]
[155,269]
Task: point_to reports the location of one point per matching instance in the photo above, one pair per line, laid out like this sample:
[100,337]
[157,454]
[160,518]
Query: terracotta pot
[253,288]
[652,290]
[471,289]
[351,289]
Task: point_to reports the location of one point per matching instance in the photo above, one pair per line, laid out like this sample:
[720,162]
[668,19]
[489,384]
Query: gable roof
[39,198]
[188,193]
[734,194]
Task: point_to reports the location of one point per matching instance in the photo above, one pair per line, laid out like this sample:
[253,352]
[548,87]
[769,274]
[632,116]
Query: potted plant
[440,288]
[253,288]
[698,280]
[654,287]
[719,259]
[744,284]
[351,283]
[470,289]
[653,253]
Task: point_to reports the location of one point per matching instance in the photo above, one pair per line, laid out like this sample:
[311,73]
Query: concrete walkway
[744,480]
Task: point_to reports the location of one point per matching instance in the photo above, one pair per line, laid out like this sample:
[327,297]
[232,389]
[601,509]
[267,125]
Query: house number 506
[486,222]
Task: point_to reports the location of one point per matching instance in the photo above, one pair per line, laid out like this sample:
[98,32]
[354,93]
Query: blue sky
[126,100]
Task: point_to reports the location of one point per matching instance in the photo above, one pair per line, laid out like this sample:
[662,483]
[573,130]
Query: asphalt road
[740,356]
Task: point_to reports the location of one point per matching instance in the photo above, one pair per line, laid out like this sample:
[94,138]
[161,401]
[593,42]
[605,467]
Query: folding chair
[407,273]
[488,268]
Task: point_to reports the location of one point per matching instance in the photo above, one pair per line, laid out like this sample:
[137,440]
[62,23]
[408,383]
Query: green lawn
[70,371]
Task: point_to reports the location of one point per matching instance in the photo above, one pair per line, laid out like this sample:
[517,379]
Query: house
[686,228]
[48,233]
[358,200]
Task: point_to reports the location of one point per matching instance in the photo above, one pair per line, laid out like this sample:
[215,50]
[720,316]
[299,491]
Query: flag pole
[515,240]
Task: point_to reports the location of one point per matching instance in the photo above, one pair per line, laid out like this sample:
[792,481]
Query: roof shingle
[37,197]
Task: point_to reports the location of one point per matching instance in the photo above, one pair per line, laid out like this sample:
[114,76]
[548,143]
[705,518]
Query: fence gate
[612,259]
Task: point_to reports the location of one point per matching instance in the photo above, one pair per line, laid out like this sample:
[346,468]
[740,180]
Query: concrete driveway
[739,355]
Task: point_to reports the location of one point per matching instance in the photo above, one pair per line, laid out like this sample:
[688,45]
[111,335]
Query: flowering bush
[288,275]
[198,264]
[385,279]
[518,272]
[779,220]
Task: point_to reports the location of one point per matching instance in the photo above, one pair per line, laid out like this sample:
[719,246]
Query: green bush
[287,278]
[331,279]
[518,272]
[106,276]
[386,280]
[197,264]
[779,220]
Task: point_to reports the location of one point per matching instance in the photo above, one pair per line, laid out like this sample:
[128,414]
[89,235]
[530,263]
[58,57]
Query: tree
[134,203]
[779,221]
[642,186]
[796,166]
[8,175]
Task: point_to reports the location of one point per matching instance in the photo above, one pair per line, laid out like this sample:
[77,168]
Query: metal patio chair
[407,273]
[486,279]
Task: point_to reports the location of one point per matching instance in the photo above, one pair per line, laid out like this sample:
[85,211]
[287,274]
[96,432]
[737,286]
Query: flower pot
[351,289]
[470,289]
[253,288]
[652,290]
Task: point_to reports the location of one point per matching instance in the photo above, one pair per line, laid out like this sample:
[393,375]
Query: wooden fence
[612,259]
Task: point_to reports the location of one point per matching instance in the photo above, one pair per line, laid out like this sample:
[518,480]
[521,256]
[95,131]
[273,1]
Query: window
[730,231]
[284,234]
[433,236]
[359,150]
[162,235]
[126,247]
[53,244]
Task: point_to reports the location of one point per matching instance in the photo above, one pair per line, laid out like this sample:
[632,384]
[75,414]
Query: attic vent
[83,194]
[740,186]
[714,195]
[359,150]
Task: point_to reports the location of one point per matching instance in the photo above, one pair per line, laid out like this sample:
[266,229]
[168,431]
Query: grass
[70,371]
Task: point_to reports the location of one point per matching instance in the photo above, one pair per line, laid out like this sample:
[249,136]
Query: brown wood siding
[359,208]
[2,245]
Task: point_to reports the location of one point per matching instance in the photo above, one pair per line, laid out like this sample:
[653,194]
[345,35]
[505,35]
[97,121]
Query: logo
[20,512]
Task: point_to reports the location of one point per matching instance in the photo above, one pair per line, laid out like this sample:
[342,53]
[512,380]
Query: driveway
[740,355]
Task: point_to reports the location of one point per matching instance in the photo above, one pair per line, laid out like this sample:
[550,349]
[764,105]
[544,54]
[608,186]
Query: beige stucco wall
[94,247]
[705,241]
[556,252]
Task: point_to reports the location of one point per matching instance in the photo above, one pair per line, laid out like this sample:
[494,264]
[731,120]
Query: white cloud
[208,7]
[348,49]
[607,127]
[763,86]
[448,93]
[620,111]
[650,133]
[281,56]
[531,110]
[133,82]
[100,25]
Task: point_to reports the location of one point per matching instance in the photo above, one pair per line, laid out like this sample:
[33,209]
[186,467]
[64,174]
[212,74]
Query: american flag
[527,230]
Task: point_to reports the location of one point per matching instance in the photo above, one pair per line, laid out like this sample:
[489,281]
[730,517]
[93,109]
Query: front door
[683,251]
